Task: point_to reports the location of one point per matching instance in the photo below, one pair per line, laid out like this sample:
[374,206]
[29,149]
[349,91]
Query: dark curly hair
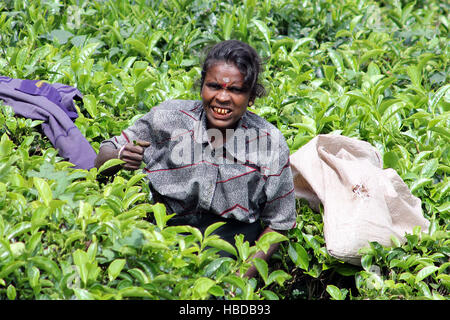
[244,57]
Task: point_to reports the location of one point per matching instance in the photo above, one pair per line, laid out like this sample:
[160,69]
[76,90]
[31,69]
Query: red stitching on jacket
[280,197]
[188,114]
[189,165]
[126,137]
[239,175]
[234,207]
[282,169]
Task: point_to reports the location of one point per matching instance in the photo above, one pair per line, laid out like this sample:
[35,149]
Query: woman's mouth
[221,111]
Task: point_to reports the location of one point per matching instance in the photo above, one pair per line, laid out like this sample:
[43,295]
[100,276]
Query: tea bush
[373,70]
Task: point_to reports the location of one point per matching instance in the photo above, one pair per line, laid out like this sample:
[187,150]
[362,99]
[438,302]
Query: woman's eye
[214,86]
[236,89]
[218,86]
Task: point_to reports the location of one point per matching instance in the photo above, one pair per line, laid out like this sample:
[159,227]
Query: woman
[212,160]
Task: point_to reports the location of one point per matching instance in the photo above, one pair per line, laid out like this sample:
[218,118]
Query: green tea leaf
[202,286]
[429,168]
[159,210]
[11,292]
[438,96]
[47,265]
[212,228]
[269,238]
[425,272]
[90,104]
[222,245]
[262,268]
[109,164]
[262,27]
[335,292]
[278,276]
[45,192]
[299,255]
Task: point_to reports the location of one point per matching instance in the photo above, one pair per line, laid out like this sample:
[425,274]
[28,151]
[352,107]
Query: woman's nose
[223,95]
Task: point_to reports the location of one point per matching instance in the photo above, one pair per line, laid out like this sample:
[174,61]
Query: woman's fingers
[133,154]
[143,143]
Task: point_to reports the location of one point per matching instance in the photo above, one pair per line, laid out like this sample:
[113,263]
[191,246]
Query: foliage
[373,70]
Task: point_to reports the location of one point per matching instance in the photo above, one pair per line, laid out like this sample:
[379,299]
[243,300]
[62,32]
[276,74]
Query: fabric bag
[362,202]
[54,104]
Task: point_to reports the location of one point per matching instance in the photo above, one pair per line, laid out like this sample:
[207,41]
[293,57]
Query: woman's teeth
[221,110]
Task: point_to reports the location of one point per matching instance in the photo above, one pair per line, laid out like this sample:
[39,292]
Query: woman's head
[244,57]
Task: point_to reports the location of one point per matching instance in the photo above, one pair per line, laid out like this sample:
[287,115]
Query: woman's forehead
[224,72]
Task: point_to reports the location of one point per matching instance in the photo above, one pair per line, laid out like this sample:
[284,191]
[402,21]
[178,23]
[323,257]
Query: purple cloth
[52,103]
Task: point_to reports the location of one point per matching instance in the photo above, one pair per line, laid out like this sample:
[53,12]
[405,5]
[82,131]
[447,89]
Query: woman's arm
[251,272]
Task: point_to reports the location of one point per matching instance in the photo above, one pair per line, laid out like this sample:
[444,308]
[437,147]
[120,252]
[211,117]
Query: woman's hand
[133,154]
[252,271]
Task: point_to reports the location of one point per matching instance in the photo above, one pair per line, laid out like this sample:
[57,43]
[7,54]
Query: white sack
[361,201]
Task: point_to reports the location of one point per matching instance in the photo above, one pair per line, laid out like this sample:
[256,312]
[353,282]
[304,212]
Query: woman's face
[224,98]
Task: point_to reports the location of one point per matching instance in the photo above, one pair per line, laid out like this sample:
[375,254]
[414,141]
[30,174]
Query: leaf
[429,168]
[214,265]
[360,97]
[222,245]
[269,295]
[87,51]
[90,104]
[269,238]
[132,199]
[142,85]
[47,265]
[216,291]
[109,164]
[44,190]
[262,268]
[395,241]
[415,74]
[83,294]
[212,228]
[228,26]
[33,276]
[335,292]
[202,286]
[61,36]
[135,179]
[420,183]
[370,54]
[235,281]
[425,272]
[279,276]
[10,267]
[390,159]
[438,95]
[299,255]
[262,27]
[336,59]
[19,228]
[134,292]
[11,292]
[299,42]
[137,45]
[85,210]
[242,246]
[159,210]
